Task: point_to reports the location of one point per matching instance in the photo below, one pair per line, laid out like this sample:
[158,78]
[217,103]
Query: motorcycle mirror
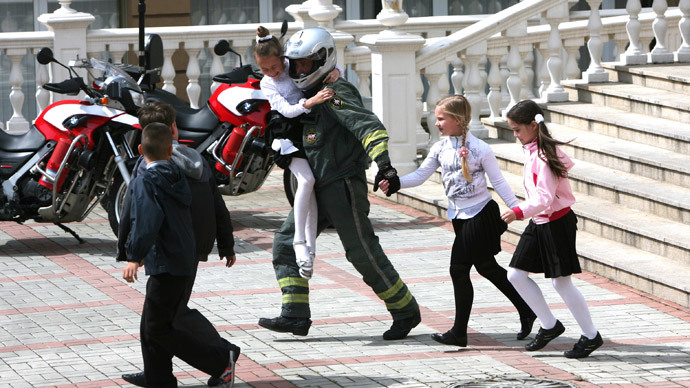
[45,56]
[283,29]
[221,48]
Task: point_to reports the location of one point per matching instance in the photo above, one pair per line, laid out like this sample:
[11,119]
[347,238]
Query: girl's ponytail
[266,45]
[464,153]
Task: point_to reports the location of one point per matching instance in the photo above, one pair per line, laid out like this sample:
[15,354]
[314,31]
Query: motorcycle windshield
[114,72]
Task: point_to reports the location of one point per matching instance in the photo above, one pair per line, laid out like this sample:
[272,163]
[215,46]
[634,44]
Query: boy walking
[162,240]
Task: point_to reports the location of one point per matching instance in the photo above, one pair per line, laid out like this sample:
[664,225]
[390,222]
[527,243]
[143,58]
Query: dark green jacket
[340,136]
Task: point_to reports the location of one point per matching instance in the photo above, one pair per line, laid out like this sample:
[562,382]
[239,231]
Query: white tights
[305,210]
[530,292]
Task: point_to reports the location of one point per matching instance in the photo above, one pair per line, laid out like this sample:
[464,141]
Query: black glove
[283,161]
[387,172]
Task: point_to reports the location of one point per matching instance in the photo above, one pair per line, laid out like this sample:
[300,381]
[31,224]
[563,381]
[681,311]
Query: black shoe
[214,381]
[526,325]
[544,336]
[449,338]
[137,379]
[296,326]
[401,327]
[584,347]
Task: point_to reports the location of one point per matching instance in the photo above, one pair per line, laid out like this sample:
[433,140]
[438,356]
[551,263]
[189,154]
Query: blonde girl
[548,243]
[465,163]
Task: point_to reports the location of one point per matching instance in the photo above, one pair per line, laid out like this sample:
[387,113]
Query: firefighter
[339,137]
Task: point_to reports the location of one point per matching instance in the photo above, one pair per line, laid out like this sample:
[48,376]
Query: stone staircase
[630,140]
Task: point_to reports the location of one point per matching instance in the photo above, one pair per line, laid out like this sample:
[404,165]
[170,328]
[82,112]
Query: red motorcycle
[65,164]
[228,130]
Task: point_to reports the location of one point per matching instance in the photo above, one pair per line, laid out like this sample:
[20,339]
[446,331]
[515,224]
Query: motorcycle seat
[29,141]
[201,120]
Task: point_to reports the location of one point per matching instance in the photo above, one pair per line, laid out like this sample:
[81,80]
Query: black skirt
[480,235]
[548,248]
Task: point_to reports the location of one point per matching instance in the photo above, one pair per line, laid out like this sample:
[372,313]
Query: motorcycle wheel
[115,200]
[290,185]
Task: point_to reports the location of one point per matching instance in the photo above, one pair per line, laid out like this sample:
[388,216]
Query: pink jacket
[548,196]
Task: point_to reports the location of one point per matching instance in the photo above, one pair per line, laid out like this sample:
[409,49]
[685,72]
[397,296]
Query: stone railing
[495,60]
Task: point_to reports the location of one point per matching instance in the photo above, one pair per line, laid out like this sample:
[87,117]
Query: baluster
[572,48]
[193,73]
[456,78]
[424,140]
[527,76]
[484,76]
[474,54]
[683,53]
[545,78]
[363,70]
[495,80]
[433,73]
[216,68]
[42,95]
[595,72]
[168,70]
[117,51]
[17,123]
[620,40]
[514,83]
[634,55]
[505,73]
[555,91]
[660,53]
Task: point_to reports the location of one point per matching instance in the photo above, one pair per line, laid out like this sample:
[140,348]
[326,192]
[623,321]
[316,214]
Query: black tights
[487,266]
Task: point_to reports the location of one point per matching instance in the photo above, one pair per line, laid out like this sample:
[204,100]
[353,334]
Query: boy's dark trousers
[160,340]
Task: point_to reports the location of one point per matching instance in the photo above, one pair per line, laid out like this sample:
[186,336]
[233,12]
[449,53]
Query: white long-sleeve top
[283,95]
[465,199]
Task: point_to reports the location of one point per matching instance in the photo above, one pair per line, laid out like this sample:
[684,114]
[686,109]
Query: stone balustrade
[495,60]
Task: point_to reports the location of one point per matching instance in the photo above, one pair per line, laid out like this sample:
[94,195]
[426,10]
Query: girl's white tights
[305,210]
[531,293]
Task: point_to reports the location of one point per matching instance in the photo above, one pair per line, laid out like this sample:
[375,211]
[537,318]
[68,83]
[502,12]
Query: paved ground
[68,319]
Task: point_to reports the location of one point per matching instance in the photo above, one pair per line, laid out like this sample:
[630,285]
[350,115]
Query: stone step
[673,77]
[632,98]
[622,262]
[654,131]
[630,190]
[628,156]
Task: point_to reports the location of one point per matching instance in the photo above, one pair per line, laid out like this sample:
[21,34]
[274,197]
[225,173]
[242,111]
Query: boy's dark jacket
[210,217]
[161,233]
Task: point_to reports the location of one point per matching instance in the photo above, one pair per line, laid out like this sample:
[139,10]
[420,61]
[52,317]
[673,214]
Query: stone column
[394,85]
[660,53]
[683,53]
[69,29]
[634,55]
[595,72]
[555,91]
[17,123]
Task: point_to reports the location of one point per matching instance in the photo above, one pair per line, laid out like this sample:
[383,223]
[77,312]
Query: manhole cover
[513,383]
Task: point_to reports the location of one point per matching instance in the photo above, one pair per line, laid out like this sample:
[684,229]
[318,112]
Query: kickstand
[70,231]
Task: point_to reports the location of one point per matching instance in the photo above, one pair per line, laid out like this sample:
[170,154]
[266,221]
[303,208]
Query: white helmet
[311,43]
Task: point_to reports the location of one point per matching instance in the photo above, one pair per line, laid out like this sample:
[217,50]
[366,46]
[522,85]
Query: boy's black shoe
[137,379]
[401,327]
[526,326]
[449,338]
[584,347]
[296,326]
[544,336]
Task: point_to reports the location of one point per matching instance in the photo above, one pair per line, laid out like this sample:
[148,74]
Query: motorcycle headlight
[137,98]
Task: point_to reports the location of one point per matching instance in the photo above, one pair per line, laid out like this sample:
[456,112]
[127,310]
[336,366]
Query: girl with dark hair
[465,163]
[288,100]
[548,243]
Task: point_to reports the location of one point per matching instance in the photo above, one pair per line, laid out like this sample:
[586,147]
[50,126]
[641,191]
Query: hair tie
[538,118]
[260,39]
